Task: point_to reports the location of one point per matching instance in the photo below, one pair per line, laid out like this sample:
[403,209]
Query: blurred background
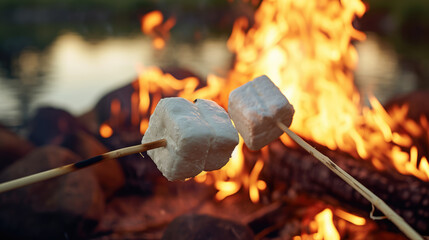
[68,54]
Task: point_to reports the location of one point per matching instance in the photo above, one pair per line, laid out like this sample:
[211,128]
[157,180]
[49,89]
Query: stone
[12,147]
[58,127]
[205,227]
[109,173]
[66,206]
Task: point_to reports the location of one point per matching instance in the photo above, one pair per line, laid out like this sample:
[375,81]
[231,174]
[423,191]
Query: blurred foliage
[404,24]
[401,9]
[101,18]
[77,4]
[42,20]
[115,6]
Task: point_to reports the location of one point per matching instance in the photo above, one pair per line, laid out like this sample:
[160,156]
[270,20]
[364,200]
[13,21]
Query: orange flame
[232,177]
[153,26]
[356,220]
[323,227]
[152,81]
[254,184]
[229,179]
[327,229]
[305,48]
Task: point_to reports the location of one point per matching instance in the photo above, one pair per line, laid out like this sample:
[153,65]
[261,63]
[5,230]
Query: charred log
[407,195]
[414,102]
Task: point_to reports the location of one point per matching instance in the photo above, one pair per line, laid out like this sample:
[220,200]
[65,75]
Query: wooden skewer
[376,201]
[24,181]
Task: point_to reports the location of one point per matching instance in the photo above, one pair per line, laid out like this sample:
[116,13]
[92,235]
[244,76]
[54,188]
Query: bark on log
[407,195]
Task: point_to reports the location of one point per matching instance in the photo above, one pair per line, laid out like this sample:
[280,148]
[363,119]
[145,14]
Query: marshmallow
[255,107]
[199,137]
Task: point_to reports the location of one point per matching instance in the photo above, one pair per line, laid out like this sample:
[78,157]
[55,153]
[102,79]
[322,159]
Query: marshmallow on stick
[199,136]
[261,113]
[190,138]
[59,171]
[255,108]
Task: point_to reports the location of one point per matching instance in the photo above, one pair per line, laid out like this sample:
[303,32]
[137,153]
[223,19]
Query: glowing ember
[105,130]
[115,107]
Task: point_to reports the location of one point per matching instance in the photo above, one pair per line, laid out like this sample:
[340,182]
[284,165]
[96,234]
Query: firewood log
[407,195]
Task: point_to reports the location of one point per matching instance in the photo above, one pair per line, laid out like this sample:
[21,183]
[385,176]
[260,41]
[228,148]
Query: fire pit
[278,192]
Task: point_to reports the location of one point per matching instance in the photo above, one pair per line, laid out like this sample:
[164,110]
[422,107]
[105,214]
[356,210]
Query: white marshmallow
[225,136]
[255,107]
[199,137]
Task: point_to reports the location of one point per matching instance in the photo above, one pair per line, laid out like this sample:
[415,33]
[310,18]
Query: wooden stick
[380,204]
[24,181]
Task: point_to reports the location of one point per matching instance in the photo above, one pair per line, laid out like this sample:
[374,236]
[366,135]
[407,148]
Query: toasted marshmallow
[199,137]
[255,107]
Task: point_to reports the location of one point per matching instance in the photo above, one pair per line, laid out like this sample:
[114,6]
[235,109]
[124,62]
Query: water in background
[73,69]
[73,73]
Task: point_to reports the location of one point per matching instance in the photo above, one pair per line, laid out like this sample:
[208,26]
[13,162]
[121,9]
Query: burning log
[407,195]
[356,185]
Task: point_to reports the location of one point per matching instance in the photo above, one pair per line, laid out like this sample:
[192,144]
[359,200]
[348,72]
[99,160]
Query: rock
[12,147]
[204,227]
[58,127]
[103,107]
[63,207]
[51,126]
[109,172]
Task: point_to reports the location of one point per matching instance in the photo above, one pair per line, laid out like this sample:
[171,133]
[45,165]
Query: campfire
[278,192]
